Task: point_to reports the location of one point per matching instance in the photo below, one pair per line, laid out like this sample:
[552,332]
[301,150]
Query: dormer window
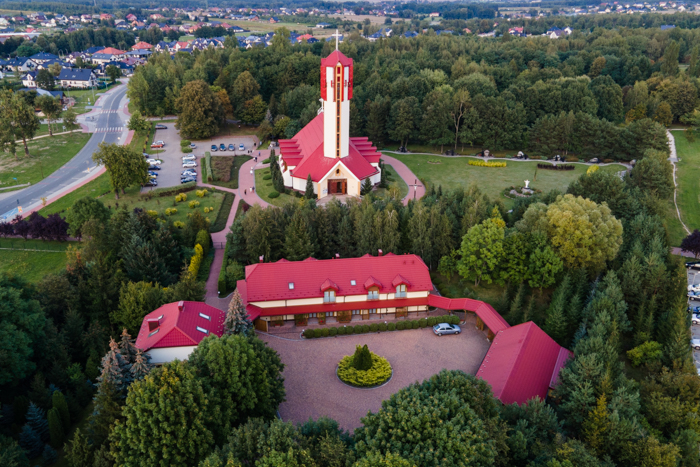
[329,296]
[207,317]
[291,286]
[154,332]
[200,329]
[373,293]
[401,291]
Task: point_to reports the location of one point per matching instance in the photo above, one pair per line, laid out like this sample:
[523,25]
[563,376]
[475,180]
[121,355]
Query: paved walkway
[673,158]
[416,190]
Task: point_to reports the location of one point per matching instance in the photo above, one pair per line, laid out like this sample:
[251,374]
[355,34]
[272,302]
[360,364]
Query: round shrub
[422,322]
[379,372]
[349,330]
[179,224]
[332,331]
[152,213]
[309,333]
[443,319]
[186,150]
[400,326]
[324,332]
[382,327]
[454,319]
[267,177]
[268,184]
[185,142]
[193,204]
[181,197]
[415,323]
[365,329]
[432,321]
[374,327]
[359,329]
[317,333]
[341,330]
[391,327]
[274,194]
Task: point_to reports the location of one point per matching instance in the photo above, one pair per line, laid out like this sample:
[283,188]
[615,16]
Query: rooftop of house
[179,324]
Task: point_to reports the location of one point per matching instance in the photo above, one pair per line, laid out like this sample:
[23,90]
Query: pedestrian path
[673,158]
[416,190]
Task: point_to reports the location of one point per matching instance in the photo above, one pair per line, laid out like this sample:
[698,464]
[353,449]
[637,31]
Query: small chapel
[337,163]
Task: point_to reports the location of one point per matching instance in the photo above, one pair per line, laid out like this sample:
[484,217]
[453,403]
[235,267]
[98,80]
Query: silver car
[695,343]
[444,328]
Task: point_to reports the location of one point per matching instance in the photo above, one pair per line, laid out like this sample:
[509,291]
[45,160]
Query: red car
[157,145]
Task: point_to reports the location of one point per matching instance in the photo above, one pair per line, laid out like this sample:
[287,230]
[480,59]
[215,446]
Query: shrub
[487,163]
[267,177]
[391,327]
[342,330]
[181,197]
[317,332]
[332,331]
[170,211]
[382,327]
[273,194]
[324,332]
[185,142]
[400,326]
[309,333]
[361,359]
[374,327]
[365,329]
[152,213]
[422,322]
[454,319]
[201,193]
[266,161]
[196,260]
[592,169]
[193,204]
[179,224]
[349,330]
[432,321]
[186,150]
[206,210]
[647,352]
[203,238]
[378,373]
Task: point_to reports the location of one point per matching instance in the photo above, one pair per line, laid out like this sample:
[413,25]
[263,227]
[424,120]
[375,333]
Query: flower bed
[487,163]
[378,374]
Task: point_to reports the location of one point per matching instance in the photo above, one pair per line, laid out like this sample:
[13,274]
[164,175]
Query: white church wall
[168,354]
[287,176]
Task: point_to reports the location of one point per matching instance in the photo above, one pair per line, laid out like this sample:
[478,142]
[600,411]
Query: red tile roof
[179,328]
[270,281]
[335,57]
[111,51]
[491,318]
[522,363]
[304,152]
[142,46]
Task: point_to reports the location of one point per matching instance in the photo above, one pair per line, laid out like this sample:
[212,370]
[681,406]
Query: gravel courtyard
[313,390]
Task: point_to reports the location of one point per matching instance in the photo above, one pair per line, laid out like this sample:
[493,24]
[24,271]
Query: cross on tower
[337,36]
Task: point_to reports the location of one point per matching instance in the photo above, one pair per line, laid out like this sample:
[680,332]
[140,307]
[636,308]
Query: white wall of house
[338,299]
[168,354]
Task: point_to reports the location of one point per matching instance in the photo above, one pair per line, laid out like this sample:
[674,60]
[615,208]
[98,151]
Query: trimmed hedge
[391,327]
[274,194]
[378,374]
[219,223]
[487,163]
[555,167]
[332,331]
[380,327]
[267,177]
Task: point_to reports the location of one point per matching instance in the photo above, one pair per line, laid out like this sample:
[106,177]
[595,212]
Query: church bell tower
[336,92]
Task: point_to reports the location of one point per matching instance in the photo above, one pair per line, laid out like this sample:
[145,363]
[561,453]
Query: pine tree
[382,177]
[309,194]
[237,321]
[140,368]
[362,359]
[59,402]
[126,347]
[50,455]
[30,441]
[106,411]
[596,427]
[78,451]
[555,325]
[114,368]
[55,428]
[298,245]
[36,418]
[366,186]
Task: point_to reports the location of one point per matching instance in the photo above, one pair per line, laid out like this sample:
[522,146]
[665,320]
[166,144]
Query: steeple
[336,92]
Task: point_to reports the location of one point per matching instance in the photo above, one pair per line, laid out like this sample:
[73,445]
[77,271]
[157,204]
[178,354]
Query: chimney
[380,252]
[153,324]
[180,306]
[337,256]
[261,258]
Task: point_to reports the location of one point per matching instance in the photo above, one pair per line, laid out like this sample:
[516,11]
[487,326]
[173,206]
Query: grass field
[264,188]
[688,178]
[227,167]
[46,155]
[94,188]
[393,178]
[32,265]
[82,97]
[454,172]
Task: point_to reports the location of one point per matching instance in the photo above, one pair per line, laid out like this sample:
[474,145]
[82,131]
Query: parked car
[154,161]
[695,343]
[152,177]
[241,147]
[694,309]
[188,179]
[157,145]
[189,164]
[145,154]
[695,266]
[222,147]
[153,167]
[231,147]
[213,148]
[151,182]
[153,174]
[695,319]
[444,328]
[160,126]
[694,288]
[193,146]
[189,173]
[189,157]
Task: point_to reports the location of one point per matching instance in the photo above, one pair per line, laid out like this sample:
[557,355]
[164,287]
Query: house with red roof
[142,46]
[174,330]
[323,149]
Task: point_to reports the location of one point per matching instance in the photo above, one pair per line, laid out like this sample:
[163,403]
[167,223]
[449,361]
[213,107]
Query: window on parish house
[401,291]
[373,294]
[329,296]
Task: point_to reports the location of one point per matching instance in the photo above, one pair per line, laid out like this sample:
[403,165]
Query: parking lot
[249,141]
[694,279]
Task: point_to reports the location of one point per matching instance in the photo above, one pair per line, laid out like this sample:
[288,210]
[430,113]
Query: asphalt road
[108,126]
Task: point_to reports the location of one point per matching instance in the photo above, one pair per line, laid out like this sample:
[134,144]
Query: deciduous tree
[82,210]
[199,111]
[125,166]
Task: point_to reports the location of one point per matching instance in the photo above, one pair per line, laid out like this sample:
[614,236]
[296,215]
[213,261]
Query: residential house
[142,46]
[42,57]
[29,80]
[22,64]
[77,78]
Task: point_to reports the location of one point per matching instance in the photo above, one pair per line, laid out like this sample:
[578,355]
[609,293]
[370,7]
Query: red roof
[111,51]
[494,321]
[335,57]
[142,46]
[271,281]
[522,363]
[304,152]
[179,328]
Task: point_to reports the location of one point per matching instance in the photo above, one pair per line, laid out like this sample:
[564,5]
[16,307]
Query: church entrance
[338,187]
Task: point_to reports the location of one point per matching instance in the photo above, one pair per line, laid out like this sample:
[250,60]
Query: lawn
[393,178]
[94,188]
[226,170]
[688,179]
[454,172]
[232,129]
[32,265]
[46,156]
[82,97]
[264,188]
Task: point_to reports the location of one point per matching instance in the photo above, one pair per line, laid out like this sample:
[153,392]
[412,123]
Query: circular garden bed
[364,369]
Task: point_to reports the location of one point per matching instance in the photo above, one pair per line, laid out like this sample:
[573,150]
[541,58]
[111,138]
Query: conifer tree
[30,441]
[309,194]
[140,368]
[237,321]
[50,455]
[106,411]
[126,347]
[596,427]
[78,451]
[36,418]
[298,245]
[59,402]
[555,325]
[114,368]
[366,186]
[55,427]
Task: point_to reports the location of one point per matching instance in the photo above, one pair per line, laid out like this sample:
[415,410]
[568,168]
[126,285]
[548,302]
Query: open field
[94,188]
[454,172]
[688,178]
[264,188]
[15,257]
[46,155]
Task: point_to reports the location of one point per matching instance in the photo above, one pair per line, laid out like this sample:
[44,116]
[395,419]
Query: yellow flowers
[181,197]
[170,211]
[487,164]
[592,169]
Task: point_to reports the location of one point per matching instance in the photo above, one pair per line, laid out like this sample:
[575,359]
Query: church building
[337,163]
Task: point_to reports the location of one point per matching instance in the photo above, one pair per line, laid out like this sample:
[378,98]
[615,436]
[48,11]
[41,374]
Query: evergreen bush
[30,441]
[362,360]
[332,331]
[374,327]
[55,428]
[414,324]
[324,332]
[454,319]
[400,326]
[432,321]
[349,330]
[378,373]
[36,419]
[267,177]
[273,194]
[422,323]
[309,333]
[50,455]
[382,327]
[391,327]
[342,330]
[365,329]
[58,401]
[317,333]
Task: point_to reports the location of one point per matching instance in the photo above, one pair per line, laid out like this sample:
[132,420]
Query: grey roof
[78,74]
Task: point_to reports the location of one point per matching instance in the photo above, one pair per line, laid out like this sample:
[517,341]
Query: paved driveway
[313,390]
[171,155]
